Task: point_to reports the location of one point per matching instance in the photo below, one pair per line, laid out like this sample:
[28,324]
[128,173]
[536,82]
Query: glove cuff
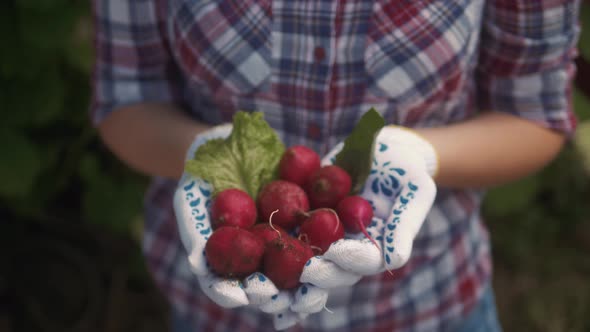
[220,131]
[415,141]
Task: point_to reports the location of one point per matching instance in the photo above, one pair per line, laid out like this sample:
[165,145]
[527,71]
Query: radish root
[317,249]
[330,210]
[364,230]
[270,222]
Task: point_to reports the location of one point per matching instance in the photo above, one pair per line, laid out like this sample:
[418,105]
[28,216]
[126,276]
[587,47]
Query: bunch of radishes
[294,218]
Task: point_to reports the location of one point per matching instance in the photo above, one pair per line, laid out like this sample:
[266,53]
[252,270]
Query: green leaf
[79,52]
[11,58]
[35,102]
[11,98]
[512,198]
[89,168]
[42,5]
[581,105]
[357,153]
[20,164]
[112,203]
[21,62]
[584,38]
[246,160]
[49,102]
[582,142]
[47,30]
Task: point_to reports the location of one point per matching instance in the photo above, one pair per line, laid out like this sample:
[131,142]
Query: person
[486,83]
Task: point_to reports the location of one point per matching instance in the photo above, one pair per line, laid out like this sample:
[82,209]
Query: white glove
[191,201]
[401,190]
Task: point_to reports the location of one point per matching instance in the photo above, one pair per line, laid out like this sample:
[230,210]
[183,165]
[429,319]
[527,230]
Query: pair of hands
[400,189]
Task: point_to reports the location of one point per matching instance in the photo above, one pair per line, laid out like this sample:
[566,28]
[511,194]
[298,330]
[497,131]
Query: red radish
[233,207]
[327,186]
[267,233]
[298,163]
[321,229]
[234,252]
[288,198]
[284,260]
[355,214]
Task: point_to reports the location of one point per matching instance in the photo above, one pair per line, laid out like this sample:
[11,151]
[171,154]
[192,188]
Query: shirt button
[314,131]
[319,53]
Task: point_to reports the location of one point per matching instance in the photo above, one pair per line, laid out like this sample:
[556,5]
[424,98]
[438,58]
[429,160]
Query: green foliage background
[52,163]
[54,168]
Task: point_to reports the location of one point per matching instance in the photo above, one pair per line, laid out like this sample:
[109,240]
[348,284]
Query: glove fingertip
[357,256]
[396,257]
[323,273]
[226,293]
[259,288]
[277,303]
[309,299]
[284,320]
[229,301]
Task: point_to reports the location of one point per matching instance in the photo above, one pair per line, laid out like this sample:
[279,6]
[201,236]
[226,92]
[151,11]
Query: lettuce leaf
[246,160]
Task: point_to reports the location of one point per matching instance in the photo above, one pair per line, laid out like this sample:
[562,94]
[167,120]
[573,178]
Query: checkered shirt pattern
[313,67]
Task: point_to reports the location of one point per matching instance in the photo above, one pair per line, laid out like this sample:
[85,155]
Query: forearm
[491,149]
[151,138]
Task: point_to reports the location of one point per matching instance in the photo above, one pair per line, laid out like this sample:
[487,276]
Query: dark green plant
[52,164]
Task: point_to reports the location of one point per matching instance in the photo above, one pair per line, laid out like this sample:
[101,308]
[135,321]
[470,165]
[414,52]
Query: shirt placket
[303,49]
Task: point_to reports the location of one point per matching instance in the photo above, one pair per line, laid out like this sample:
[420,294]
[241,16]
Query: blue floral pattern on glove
[199,206]
[386,178]
[397,211]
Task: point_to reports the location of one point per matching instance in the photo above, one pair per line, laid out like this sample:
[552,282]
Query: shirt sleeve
[526,63]
[133,63]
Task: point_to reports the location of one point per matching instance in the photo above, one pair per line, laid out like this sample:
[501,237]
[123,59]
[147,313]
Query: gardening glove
[401,191]
[192,199]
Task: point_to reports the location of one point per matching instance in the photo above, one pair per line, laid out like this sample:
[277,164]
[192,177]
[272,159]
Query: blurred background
[70,214]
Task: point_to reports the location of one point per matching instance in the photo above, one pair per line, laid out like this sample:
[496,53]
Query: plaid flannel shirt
[313,67]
